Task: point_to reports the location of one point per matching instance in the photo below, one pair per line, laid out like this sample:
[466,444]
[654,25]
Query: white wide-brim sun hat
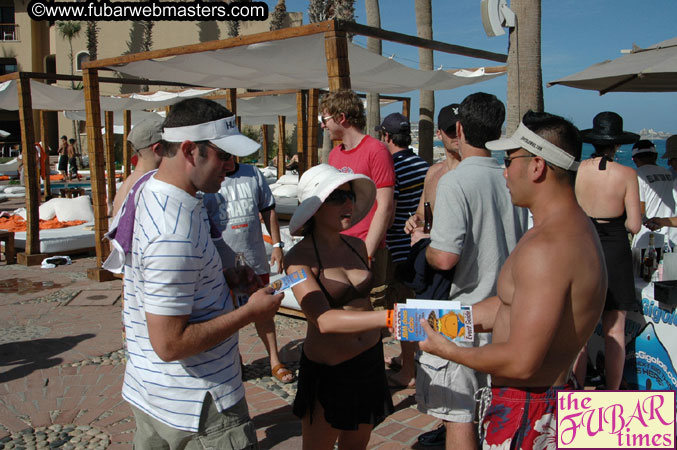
[315,186]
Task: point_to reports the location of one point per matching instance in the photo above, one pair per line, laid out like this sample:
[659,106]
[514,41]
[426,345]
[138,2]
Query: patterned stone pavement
[61,370]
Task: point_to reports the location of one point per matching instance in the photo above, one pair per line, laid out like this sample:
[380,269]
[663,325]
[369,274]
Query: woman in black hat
[608,192]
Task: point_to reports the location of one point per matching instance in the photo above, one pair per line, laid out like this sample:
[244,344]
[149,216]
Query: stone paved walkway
[61,370]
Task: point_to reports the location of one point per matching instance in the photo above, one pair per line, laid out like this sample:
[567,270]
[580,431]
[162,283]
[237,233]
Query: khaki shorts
[446,390]
[230,429]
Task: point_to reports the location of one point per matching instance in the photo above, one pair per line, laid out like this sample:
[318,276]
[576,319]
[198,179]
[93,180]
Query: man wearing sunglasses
[343,115]
[183,377]
[550,290]
[474,229]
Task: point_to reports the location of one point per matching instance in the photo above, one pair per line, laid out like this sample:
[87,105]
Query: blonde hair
[345,101]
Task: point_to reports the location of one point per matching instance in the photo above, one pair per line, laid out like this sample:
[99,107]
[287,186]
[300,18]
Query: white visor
[223,133]
[533,143]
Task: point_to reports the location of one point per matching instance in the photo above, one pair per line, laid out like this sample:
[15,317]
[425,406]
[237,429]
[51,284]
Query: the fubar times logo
[616,419]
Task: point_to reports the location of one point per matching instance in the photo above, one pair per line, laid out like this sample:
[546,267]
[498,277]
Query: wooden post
[31,255]
[231,100]
[126,149]
[280,146]
[312,127]
[110,158]
[338,66]
[406,108]
[45,147]
[90,78]
[264,132]
[301,136]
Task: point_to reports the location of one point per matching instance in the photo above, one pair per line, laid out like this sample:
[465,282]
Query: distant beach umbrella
[652,69]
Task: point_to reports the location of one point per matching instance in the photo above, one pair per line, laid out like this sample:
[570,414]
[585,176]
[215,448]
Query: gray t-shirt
[475,218]
[235,209]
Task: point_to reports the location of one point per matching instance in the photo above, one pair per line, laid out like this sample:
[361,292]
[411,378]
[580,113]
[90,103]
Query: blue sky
[575,34]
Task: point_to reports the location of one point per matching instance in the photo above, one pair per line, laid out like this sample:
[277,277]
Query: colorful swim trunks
[522,418]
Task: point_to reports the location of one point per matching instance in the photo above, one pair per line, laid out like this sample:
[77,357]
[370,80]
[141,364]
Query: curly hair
[345,101]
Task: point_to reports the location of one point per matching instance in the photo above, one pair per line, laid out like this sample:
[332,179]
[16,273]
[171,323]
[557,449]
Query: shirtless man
[546,308]
[146,140]
[446,132]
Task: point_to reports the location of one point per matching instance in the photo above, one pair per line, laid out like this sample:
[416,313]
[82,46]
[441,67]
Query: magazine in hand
[288,281]
[450,318]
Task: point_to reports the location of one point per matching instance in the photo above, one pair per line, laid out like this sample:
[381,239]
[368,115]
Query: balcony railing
[9,32]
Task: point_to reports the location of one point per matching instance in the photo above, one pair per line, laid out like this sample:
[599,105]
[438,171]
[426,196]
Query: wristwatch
[279,244]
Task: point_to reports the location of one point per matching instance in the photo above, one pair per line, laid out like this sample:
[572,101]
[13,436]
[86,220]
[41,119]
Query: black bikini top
[345,292]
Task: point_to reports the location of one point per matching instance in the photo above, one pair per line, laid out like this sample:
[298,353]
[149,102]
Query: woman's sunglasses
[339,197]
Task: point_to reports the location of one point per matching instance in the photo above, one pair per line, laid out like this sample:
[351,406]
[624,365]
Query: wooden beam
[301,136]
[406,108]
[338,66]
[126,148]
[264,133]
[264,93]
[110,158]
[401,38]
[285,33]
[45,148]
[312,127]
[231,100]
[280,145]
[96,166]
[29,159]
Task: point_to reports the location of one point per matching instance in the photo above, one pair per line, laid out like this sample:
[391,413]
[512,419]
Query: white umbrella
[3,134]
[652,69]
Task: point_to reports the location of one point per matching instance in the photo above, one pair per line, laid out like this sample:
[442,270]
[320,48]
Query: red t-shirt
[371,158]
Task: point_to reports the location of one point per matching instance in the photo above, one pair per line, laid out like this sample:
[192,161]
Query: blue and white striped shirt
[174,269]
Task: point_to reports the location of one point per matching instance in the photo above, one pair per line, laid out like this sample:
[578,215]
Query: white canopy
[118,119]
[53,98]
[295,63]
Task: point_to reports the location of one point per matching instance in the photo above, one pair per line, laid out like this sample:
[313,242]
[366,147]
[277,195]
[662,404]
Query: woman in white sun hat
[342,390]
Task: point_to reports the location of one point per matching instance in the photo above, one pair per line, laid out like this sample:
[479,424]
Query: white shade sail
[295,63]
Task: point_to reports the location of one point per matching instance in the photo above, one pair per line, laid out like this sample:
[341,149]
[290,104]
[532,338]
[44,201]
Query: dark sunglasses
[340,196]
[508,160]
[222,155]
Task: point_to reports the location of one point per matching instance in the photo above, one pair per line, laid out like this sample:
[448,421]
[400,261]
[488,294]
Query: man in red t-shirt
[343,116]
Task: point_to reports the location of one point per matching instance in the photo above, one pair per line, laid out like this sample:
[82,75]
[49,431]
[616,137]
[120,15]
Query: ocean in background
[623,155]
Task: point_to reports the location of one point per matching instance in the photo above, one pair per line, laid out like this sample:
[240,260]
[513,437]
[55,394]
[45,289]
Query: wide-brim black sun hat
[607,128]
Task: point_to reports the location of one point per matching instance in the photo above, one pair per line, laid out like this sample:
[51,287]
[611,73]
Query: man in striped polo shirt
[410,171]
[183,377]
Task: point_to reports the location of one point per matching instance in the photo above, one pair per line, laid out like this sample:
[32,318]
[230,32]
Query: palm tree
[373,45]
[321,10]
[70,30]
[92,39]
[426,130]
[279,16]
[525,79]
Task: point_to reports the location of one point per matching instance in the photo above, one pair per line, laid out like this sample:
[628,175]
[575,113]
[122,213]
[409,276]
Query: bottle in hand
[428,217]
[240,295]
[650,261]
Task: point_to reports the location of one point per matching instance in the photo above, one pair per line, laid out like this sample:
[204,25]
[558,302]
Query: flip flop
[393,363]
[280,371]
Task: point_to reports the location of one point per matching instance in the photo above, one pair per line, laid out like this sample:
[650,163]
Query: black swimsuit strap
[317,253]
[356,252]
[603,161]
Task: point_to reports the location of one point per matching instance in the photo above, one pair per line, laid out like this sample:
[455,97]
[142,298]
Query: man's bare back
[556,279]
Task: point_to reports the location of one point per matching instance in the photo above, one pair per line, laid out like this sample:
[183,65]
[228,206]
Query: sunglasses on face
[324,119]
[339,197]
[508,160]
[222,155]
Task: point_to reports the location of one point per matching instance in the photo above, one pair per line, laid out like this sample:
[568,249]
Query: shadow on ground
[29,356]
